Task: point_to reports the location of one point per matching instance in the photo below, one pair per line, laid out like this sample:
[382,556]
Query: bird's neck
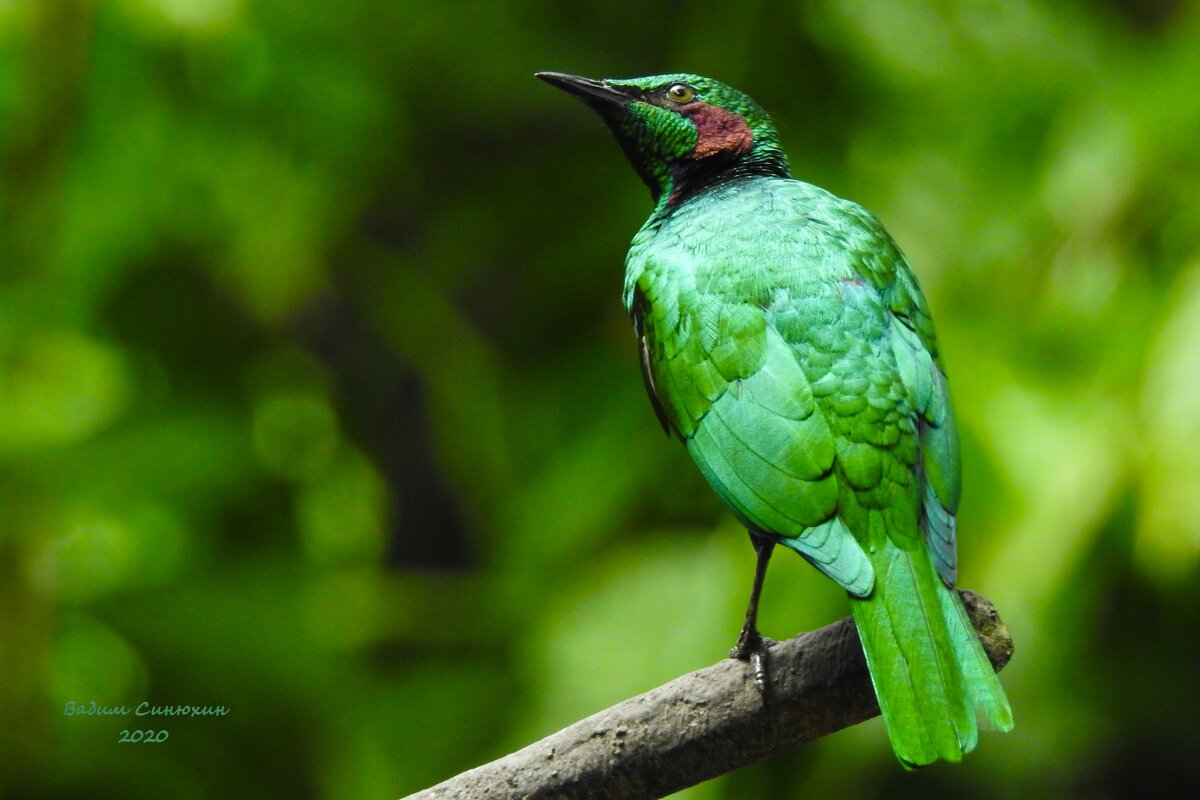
[692,178]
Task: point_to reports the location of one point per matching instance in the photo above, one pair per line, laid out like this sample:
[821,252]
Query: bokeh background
[317,400]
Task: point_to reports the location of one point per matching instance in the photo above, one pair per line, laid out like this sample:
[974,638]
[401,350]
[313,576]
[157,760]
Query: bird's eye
[680,93]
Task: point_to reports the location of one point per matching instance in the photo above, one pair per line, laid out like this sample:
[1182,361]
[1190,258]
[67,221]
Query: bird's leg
[750,644]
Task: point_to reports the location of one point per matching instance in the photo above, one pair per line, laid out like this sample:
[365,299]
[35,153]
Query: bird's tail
[930,672]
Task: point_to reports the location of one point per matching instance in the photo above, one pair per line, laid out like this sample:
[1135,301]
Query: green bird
[784,340]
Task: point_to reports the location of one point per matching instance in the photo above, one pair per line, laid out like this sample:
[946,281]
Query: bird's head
[681,132]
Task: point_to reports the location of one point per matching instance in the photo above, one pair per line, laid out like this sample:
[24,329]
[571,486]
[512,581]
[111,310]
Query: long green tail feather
[928,668]
[983,686]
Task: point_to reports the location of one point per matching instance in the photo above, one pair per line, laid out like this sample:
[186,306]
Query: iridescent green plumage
[785,341]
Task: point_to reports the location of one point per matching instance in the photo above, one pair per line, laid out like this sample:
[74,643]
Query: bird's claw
[754,647]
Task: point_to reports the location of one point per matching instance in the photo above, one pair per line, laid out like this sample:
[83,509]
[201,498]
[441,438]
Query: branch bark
[704,724]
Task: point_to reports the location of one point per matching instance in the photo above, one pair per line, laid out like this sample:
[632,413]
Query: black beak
[594,93]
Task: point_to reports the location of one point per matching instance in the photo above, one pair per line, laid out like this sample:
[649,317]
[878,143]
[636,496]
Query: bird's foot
[754,647]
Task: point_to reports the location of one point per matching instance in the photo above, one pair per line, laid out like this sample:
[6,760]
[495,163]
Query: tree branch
[704,724]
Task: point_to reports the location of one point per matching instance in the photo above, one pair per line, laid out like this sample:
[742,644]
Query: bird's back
[717,284]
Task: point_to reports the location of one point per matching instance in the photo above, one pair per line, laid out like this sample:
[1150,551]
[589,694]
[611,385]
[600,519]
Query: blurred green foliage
[317,401]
